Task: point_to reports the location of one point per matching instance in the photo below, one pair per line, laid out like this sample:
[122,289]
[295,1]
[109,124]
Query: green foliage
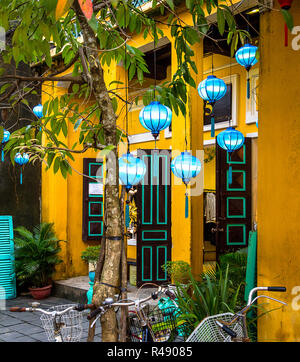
[215,294]
[91,254]
[39,35]
[36,254]
[179,271]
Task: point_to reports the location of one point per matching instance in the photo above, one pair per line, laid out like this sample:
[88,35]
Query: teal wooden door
[153,201]
[233,209]
[7,259]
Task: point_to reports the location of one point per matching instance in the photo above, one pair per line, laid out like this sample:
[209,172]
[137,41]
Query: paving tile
[9,321]
[25,339]
[39,337]
[26,328]
[11,336]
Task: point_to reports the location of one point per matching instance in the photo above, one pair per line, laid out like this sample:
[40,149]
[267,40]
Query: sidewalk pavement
[27,327]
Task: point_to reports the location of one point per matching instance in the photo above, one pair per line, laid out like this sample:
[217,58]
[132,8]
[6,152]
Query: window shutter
[93,206]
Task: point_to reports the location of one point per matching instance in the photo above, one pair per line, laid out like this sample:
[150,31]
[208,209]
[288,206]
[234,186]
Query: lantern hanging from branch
[155,117]
[186,166]
[6,135]
[246,56]
[21,159]
[230,140]
[211,90]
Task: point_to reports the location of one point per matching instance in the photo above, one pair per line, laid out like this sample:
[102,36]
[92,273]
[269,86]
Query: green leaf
[1,133]
[221,21]
[288,19]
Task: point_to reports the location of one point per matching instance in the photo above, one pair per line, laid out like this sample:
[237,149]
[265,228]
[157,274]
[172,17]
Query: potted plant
[179,271]
[36,256]
[90,256]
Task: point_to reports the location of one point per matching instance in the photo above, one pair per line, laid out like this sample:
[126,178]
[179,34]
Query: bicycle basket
[162,324]
[70,323]
[209,331]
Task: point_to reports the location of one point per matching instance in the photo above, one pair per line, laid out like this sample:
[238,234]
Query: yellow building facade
[268,119]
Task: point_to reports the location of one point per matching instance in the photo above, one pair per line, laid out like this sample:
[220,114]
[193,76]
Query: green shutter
[7,259]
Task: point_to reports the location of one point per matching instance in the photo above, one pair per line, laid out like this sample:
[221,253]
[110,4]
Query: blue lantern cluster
[246,56]
[230,139]
[211,90]
[21,159]
[38,110]
[155,117]
[186,166]
[131,170]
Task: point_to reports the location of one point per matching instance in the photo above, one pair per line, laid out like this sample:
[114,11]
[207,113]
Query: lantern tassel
[21,177]
[248,87]
[230,175]
[186,205]
[2,154]
[212,130]
[127,216]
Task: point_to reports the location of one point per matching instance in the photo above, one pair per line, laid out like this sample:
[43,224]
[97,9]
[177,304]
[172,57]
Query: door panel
[153,201]
[233,200]
[92,222]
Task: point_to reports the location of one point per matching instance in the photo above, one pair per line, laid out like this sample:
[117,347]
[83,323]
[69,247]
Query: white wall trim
[252,135]
[209,142]
[141,137]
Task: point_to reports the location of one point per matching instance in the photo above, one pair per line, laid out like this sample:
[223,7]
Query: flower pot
[41,293]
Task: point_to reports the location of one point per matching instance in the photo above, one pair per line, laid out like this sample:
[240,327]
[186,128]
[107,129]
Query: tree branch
[78,80]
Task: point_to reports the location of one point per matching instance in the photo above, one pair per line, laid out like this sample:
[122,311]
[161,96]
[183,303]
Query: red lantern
[286,5]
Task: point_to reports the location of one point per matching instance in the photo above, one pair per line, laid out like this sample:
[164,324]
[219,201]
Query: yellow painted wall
[279,176]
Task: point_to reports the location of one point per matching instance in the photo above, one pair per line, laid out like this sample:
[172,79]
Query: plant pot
[41,293]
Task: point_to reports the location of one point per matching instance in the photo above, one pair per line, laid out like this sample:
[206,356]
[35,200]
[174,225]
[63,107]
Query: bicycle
[61,323]
[229,327]
[144,325]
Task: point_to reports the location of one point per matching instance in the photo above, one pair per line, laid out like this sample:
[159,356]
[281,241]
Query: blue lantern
[21,159]
[6,135]
[186,166]
[155,117]
[131,171]
[246,56]
[211,90]
[230,140]
[38,110]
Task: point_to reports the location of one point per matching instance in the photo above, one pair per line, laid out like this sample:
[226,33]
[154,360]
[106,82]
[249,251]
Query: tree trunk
[113,232]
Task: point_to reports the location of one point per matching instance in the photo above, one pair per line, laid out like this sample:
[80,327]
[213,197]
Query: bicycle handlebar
[78,307]
[107,304]
[270,289]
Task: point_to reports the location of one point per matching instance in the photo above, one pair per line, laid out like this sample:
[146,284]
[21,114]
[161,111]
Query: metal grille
[70,323]
[209,331]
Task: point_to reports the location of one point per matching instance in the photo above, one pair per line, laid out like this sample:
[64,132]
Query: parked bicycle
[229,327]
[145,324]
[61,323]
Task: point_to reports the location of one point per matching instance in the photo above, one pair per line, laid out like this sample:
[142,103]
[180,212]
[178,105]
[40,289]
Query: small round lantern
[186,166]
[285,5]
[155,117]
[6,135]
[246,56]
[21,159]
[131,172]
[230,140]
[38,110]
[211,90]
